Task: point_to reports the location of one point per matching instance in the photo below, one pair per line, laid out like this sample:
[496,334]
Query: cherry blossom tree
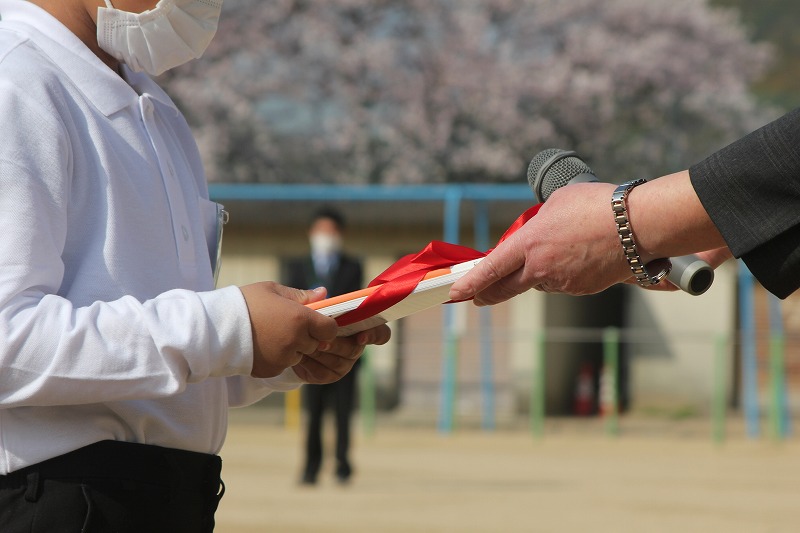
[426,91]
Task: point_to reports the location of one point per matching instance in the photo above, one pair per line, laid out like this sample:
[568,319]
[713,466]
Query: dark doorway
[574,326]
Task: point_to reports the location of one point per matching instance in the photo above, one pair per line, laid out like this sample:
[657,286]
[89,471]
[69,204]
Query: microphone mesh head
[546,175]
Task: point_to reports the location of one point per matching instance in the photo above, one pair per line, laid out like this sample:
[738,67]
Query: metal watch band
[625,231]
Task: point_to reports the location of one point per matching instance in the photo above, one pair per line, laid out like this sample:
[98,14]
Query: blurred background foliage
[434,91]
[775,22]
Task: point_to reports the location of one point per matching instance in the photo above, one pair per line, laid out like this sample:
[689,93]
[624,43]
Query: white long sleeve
[110,327]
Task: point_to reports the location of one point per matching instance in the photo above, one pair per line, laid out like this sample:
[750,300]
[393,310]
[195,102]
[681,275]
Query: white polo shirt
[110,327]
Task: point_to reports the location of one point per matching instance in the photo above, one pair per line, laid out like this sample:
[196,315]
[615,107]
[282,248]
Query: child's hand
[286,334]
[284,329]
[335,359]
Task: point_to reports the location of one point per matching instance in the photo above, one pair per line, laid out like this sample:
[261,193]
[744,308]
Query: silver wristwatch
[618,205]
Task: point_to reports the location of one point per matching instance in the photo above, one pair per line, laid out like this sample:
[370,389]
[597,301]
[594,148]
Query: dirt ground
[652,477]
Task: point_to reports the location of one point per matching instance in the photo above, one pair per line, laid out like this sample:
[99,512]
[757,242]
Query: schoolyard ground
[654,476]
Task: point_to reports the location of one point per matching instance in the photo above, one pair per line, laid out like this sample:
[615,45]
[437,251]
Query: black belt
[179,469]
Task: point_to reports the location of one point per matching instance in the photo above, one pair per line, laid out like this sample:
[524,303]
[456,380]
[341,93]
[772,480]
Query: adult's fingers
[502,290]
[716,257]
[508,257]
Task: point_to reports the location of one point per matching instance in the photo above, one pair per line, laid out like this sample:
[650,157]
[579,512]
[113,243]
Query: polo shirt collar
[102,86]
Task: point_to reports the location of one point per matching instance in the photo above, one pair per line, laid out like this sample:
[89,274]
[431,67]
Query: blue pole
[747,334]
[452,208]
[485,326]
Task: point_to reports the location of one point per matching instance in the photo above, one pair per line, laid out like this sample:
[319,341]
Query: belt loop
[220,491]
[32,492]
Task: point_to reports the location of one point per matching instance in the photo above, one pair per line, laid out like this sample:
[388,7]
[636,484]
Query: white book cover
[433,290]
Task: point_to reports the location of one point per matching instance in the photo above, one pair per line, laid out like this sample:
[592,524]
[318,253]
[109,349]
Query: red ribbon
[400,279]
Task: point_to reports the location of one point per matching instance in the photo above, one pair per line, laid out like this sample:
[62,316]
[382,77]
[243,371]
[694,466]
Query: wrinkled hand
[570,246]
[335,359]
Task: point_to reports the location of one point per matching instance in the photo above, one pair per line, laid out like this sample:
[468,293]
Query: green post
[366,382]
[537,398]
[779,409]
[720,390]
[608,384]
[447,412]
[776,382]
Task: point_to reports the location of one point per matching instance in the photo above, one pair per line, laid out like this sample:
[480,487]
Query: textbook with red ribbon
[431,291]
[414,283]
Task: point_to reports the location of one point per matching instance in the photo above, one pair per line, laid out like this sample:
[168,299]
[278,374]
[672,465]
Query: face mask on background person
[325,244]
[171,34]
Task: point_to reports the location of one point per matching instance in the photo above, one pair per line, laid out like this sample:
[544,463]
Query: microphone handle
[691,274]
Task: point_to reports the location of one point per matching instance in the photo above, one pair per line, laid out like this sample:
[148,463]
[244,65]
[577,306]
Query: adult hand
[570,246]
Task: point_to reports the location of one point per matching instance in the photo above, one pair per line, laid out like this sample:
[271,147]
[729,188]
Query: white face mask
[325,243]
[171,34]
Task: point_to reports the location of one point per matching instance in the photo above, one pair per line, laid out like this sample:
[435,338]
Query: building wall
[673,346]
[670,354]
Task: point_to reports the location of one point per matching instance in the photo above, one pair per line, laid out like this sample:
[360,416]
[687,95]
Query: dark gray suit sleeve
[751,191]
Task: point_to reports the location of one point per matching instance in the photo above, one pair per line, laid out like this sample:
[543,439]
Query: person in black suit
[327,266]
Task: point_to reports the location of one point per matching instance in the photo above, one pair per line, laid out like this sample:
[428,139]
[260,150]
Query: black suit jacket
[346,277]
[751,191]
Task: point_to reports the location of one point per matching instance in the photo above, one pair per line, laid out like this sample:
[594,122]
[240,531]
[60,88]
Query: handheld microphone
[552,169]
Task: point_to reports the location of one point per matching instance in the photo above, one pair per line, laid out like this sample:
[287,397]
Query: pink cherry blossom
[431,91]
